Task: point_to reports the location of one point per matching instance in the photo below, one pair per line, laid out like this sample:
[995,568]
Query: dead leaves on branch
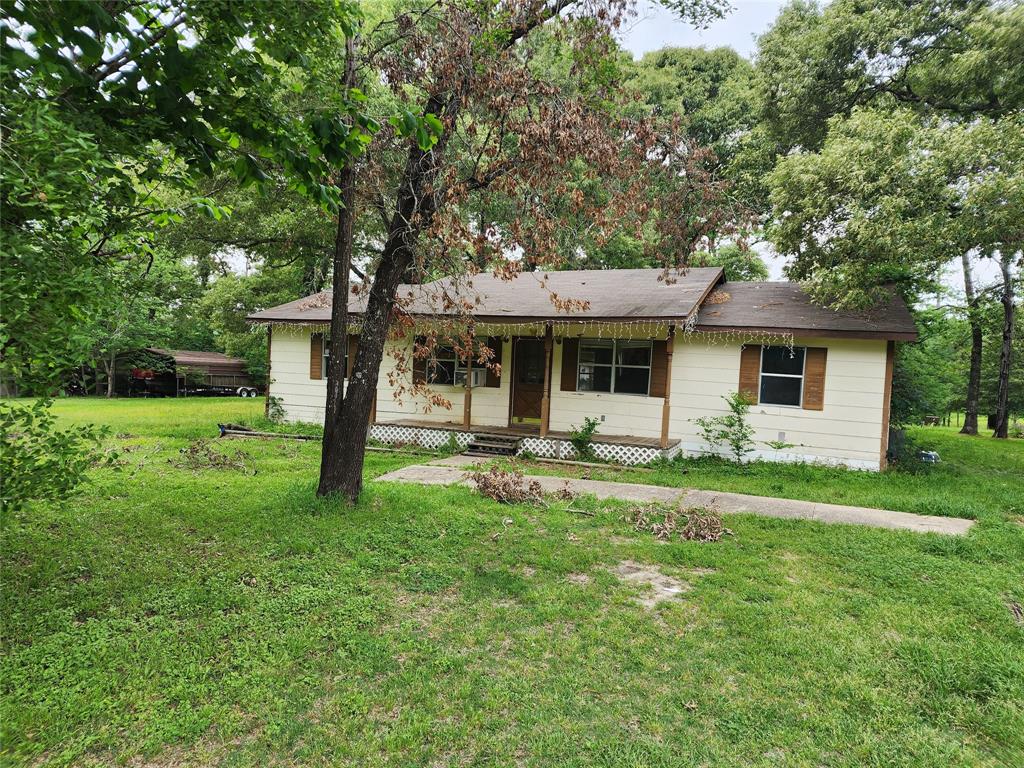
[200,455]
[507,487]
[665,523]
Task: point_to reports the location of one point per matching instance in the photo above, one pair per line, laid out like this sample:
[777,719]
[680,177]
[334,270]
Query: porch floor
[528,429]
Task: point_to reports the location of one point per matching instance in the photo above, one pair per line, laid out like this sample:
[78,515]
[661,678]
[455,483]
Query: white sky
[655,27]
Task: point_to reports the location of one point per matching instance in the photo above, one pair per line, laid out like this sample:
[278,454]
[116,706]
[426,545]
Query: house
[646,357]
[173,372]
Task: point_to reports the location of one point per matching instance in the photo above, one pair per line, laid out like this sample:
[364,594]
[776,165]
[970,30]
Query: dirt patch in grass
[578,578]
[661,587]
[1017,611]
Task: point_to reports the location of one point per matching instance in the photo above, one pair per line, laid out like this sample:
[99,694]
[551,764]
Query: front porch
[622,449]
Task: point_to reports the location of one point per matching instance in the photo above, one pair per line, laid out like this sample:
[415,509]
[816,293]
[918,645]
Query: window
[446,367]
[782,375]
[327,357]
[607,365]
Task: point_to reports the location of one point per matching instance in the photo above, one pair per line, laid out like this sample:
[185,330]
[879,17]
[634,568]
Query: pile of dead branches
[664,523]
[200,455]
[507,487]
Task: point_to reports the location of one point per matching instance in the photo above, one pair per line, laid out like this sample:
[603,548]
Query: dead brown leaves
[507,487]
[666,523]
[200,455]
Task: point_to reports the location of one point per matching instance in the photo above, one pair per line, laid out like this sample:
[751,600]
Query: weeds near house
[507,487]
[730,429]
[581,438]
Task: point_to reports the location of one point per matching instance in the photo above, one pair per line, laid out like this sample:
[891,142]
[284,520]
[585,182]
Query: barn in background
[179,372]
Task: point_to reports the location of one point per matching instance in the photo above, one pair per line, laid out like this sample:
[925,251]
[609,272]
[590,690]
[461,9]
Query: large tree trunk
[1005,353]
[341,469]
[336,433]
[974,376]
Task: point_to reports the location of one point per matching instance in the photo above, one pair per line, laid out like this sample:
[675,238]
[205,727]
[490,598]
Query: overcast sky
[657,27]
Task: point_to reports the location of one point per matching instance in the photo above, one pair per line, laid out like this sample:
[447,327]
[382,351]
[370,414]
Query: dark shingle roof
[614,294]
[628,294]
[786,307]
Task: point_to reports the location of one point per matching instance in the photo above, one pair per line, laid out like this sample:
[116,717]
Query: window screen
[782,375]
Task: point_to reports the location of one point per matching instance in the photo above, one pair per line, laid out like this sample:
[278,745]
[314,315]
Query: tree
[490,127]
[714,93]
[739,263]
[106,101]
[959,59]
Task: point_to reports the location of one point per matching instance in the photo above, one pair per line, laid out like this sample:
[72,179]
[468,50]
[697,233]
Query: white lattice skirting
[620,454]
[398,434]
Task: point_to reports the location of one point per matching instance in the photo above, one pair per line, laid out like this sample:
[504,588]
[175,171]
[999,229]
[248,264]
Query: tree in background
[739,263]
[104,102]
[937,93]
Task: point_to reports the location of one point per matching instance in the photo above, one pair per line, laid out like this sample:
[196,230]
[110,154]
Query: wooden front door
[527,377]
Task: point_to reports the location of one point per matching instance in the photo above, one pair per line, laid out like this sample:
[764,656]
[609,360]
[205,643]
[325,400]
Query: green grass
[171,617]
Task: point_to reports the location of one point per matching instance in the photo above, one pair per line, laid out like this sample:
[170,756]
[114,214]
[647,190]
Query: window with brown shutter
[353,345]
[494,344]
[659,368]
[316,356]
[570,358]
[419,364]
[814,379]
[750,371]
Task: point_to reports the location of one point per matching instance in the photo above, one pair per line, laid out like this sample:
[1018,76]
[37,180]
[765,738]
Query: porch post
[270,341]
[467,402]
[545,403]
[666,406]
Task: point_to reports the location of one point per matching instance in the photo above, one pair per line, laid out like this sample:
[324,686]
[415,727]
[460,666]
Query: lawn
[177,616]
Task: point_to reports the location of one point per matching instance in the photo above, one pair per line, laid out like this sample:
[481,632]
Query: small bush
[581,438]
[730,429]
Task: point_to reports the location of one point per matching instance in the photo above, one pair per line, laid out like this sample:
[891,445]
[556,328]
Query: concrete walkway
[445,474]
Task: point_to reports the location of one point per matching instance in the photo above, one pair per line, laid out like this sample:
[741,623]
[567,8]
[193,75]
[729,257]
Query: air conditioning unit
[477,377]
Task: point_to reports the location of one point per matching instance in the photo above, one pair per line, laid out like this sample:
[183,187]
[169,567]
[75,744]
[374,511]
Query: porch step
[493,445]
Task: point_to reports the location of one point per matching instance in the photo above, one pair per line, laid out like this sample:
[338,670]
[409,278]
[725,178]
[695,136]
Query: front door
[527,377]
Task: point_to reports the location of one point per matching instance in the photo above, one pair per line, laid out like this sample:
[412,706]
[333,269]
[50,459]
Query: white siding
[847,431]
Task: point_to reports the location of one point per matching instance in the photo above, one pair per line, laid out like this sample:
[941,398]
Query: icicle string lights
[628,330]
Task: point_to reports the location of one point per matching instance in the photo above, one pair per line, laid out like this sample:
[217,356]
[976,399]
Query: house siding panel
[846,431]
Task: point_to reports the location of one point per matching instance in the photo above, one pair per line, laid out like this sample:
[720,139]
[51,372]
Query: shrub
[39,461]
[581,437]
[730,429]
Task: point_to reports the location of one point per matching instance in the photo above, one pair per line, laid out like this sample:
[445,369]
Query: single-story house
[646,358]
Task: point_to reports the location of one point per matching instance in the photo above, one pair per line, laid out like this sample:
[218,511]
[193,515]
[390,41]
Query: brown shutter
[494,344]
[419,364]
[570,356]
[659,368]
[814,378]
[353,345]
[316,356]
[750,371]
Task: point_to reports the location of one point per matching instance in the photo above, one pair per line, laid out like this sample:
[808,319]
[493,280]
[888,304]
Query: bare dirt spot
[578,578]
[661,586]
[1017,611]
[528,572]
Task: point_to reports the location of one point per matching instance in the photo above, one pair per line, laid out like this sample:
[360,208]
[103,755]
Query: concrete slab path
[719,501]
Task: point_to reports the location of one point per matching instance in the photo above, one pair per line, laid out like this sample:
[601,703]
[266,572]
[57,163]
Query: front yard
[187,616]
